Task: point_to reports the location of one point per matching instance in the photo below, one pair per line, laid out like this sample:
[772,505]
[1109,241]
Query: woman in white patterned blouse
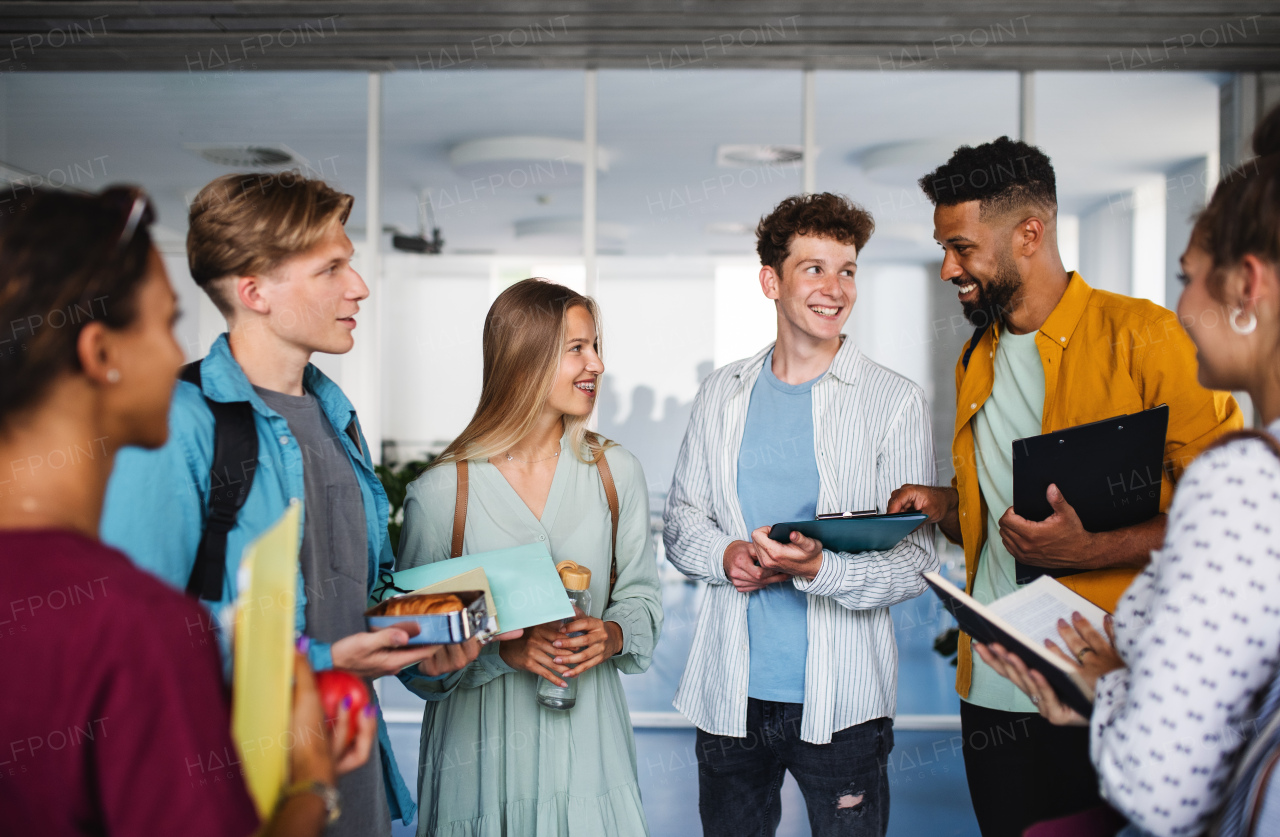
[1196,638]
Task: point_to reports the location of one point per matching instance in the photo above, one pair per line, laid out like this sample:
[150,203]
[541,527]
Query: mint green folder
[526,588]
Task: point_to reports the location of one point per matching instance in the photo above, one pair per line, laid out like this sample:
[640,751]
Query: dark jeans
[845,784]
[1022,769]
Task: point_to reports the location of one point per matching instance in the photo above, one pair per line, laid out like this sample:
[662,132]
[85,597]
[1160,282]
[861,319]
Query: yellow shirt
[1104,355]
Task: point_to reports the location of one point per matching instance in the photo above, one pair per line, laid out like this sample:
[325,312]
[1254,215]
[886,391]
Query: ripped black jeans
[845,783]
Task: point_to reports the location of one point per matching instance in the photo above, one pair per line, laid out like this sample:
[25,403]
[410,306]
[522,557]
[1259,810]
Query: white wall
[891,320]
[1187,190]
[1106,244]
[655,332]
[1069,241]
[433,320]
[659,344]
[1148,251]
[745,319]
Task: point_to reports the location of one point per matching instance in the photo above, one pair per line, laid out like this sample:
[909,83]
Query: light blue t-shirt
[1012,412]
[777,482]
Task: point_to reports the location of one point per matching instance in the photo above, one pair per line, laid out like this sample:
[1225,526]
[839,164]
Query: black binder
[1109,471]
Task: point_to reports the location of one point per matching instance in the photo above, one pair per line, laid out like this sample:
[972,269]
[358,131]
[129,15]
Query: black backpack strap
[973,344]
[235,460]
[191,374]
[354,433]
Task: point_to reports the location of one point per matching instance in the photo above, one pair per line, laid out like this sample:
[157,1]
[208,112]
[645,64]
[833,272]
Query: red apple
[334,686]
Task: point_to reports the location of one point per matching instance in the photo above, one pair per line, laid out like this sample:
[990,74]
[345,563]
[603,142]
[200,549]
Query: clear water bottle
[576,580]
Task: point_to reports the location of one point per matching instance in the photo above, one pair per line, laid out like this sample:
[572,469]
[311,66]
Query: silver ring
[1035,700]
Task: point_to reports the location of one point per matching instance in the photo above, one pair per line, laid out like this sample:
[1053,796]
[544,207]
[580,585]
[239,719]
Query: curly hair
[825,215]
[1243,216]
[1001,175]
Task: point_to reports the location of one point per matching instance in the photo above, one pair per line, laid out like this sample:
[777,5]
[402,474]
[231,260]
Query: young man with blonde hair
[271,252]
[794,665]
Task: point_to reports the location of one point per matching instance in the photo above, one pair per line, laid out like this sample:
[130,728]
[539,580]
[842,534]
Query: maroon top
[113,713]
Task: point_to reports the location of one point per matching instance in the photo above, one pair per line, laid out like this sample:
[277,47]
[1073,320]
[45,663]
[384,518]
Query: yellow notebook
[262,693]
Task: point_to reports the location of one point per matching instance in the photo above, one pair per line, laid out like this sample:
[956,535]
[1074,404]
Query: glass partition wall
[688,161]
[480,177]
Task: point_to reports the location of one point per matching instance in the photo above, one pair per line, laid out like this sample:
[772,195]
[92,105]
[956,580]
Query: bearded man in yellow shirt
[1048,353]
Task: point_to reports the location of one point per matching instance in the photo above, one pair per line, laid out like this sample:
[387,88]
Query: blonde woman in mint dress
[493,761]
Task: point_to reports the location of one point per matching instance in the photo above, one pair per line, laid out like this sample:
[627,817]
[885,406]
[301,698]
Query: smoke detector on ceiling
[250,156]
[555,154]
[748,156]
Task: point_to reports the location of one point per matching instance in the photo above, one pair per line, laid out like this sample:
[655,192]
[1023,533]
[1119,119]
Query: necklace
[511,458]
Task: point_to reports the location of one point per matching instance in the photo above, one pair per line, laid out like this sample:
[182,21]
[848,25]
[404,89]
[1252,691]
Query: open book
[1021,622]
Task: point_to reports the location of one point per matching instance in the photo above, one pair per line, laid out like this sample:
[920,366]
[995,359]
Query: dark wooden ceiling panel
[646,34]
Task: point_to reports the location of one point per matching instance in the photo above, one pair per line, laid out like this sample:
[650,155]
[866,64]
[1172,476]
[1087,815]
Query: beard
[997,298]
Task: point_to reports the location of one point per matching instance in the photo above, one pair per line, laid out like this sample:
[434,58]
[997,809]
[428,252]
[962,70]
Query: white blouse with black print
[1200,632]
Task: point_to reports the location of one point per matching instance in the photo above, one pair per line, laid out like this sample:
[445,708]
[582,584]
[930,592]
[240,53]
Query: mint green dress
[493,762]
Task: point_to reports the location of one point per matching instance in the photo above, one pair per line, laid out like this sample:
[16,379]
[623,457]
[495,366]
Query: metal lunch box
[438,628]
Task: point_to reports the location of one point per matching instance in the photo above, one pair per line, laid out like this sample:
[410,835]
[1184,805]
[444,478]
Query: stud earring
[113,376]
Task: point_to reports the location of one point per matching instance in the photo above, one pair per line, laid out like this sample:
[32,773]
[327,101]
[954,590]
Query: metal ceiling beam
[645,34]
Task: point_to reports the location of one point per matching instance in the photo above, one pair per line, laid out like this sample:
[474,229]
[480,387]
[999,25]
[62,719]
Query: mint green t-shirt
[1013,411]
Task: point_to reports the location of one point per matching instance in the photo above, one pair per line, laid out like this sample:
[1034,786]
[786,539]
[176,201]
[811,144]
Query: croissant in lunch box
[422,605]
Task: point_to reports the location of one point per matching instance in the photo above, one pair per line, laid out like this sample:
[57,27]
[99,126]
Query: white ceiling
[1106,133]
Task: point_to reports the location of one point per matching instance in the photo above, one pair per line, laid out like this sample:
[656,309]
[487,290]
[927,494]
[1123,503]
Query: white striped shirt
[871,435]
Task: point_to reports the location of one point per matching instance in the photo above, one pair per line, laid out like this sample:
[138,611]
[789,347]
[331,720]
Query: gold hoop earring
[1248,327]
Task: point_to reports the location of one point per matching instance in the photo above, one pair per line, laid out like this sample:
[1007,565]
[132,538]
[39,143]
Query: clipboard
[858,532]
[1110,472]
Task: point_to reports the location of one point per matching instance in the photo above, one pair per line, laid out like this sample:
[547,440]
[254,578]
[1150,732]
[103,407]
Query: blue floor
[926,772]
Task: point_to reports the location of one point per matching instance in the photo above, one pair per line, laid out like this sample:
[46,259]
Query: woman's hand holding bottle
[587,642]
[535,651]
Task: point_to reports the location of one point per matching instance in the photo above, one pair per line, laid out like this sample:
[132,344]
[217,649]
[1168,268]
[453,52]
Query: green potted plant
[395,481]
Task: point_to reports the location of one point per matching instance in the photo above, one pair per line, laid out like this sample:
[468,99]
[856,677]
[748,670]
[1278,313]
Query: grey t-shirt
[334,559]
[335,553]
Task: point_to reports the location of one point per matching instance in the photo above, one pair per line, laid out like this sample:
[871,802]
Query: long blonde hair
[524,335]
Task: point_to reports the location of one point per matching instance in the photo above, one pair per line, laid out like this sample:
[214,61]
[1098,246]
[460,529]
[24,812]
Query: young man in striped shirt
[794,665]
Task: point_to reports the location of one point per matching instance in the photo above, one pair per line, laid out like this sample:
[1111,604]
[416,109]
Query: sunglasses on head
[135,211]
